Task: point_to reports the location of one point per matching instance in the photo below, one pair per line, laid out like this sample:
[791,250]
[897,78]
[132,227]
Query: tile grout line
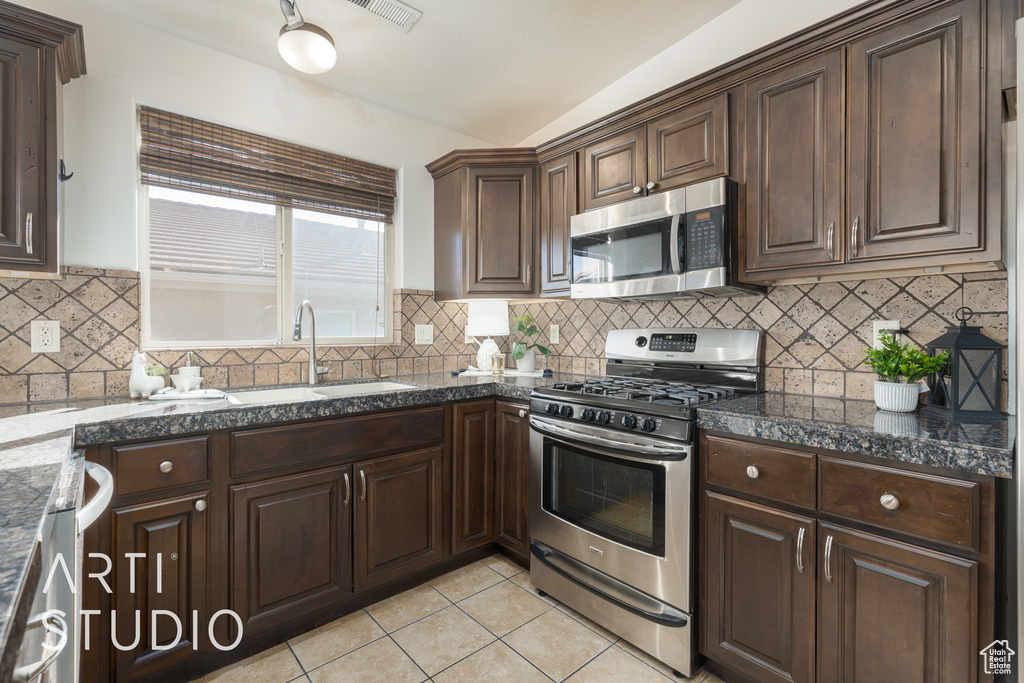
[427,676]
[587,663]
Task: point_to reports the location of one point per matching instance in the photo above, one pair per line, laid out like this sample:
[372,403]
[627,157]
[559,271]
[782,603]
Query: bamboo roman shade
[188,154]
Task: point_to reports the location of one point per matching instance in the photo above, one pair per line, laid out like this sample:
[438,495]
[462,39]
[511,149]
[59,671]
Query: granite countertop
[853,426]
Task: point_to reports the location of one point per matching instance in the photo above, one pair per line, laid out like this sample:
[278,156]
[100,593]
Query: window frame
[283,286]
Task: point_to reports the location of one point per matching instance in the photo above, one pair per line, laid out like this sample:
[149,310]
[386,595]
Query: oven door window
[621,500]
[629,253]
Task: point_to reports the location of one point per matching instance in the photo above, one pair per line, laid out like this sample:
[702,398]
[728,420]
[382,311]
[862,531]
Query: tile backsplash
[815,333]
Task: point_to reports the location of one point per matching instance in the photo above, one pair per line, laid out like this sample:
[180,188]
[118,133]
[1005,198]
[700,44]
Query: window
[226,258]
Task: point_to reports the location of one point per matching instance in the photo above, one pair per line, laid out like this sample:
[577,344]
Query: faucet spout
[297,335]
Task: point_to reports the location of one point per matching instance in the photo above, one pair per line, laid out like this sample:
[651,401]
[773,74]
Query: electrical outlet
[424,334]
[45,336]
[553,334]
[467,338]
[878,325]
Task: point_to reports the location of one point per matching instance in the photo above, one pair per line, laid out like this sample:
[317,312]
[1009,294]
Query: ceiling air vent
[394,12]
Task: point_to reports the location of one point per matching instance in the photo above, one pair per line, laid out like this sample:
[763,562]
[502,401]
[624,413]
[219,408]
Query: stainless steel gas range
[612,504]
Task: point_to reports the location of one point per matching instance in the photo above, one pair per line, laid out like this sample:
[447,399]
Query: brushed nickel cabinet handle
[753,472]
[362,484]
[828,558]
[800,551]
[527,276]
[166,466]
[831,232]
[200,505]
[651,185]
[28,233]
[853,235]
[637,189]
[348,489]
[522,413]
[889,502]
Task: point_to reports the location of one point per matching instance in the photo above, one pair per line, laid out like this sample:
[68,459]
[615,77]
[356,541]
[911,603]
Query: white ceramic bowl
[186,382]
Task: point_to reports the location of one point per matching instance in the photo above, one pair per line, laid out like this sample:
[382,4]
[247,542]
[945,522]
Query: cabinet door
[473,475]
[398,515]
[888,611]
[291,539]
[915,137]
[557,206]
[512,454]
[27,138]
[794,172]
[499,231]
[171,575]
[689,145]
[759,590]
[614,168]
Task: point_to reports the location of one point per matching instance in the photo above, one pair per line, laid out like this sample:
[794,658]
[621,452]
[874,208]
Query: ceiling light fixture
[305,46]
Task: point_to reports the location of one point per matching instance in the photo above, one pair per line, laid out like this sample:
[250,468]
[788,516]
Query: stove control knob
[648,425]
[552,409]
[641,341]
[565,411]
[629,421]
[587,415]
[604,417]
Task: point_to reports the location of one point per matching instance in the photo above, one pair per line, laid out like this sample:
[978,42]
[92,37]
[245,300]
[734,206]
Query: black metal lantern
[970,384]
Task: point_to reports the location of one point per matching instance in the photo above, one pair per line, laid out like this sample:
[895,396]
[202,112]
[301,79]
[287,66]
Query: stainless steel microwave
[675,243]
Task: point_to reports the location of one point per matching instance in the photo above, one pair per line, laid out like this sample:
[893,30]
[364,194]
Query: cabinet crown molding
[65,36]
[510,156]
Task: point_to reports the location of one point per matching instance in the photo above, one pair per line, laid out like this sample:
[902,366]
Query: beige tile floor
[484,622]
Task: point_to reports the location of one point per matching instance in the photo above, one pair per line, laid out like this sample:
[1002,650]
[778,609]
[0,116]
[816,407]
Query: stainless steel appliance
[612,505]
[675,243]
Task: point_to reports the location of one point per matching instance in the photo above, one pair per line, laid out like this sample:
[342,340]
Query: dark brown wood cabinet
[291,546]
[168,573]
[398,515]
[614,169]
[759,590]
[557,207]
[473,475]
[512,457]
[38,53]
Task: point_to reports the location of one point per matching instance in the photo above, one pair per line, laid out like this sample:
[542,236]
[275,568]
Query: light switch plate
[424,334]
[553,334]
[45,336]
[878,325]
[466,337]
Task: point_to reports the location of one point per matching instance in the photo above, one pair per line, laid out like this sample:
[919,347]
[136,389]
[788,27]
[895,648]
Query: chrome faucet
[314,370]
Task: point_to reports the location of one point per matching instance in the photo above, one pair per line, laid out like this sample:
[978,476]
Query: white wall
[130,64]
[745,27]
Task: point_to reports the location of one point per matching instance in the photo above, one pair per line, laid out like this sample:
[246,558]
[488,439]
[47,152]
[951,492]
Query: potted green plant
[899,367]
[523,351]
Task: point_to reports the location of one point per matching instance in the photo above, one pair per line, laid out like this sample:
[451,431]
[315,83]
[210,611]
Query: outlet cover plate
[553,334]
[424,334]
[878,325]
[45,336]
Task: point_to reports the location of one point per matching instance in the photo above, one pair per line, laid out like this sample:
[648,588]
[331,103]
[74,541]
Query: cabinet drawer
[929,506]
[351,437]
[782,475]
[141,467]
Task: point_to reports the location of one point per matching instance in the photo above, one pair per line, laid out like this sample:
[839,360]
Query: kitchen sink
[275,395]
[358,389]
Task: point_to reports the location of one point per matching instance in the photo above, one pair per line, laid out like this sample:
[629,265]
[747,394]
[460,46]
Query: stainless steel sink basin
[274,395]
[360,389]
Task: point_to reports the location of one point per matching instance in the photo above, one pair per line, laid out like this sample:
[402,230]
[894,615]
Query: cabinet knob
[753,472]
[166,466]
[522,413]
[651,185]
[889,501]
[637,189]
[200,505]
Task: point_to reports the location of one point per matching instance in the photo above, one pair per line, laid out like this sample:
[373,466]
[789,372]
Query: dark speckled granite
[852,426]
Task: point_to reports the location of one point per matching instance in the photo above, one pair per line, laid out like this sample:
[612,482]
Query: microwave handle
[673,239]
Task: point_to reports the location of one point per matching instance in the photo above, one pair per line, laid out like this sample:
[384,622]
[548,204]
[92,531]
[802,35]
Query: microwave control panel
[705,238]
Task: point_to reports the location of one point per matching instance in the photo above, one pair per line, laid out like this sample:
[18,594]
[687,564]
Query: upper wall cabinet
[685,146]
[484,224]
[38,54]
[557,207]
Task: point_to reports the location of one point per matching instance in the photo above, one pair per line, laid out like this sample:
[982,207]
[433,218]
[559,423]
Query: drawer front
[160,465]
[924,505]
[764,471]
[351,437]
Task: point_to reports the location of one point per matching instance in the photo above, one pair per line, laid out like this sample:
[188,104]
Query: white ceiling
[497,70]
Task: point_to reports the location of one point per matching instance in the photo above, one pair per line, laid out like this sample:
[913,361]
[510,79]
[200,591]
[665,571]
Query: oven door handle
[646,446]
[92,510]
[673,239]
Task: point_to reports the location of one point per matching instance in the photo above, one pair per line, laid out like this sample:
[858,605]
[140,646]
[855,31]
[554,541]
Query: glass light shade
[487,317]
[308,48]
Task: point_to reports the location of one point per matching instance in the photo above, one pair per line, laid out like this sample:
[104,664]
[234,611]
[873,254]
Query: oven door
[618,503]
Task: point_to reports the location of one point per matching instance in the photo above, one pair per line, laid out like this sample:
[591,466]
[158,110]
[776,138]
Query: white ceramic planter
[897,397]
[528,363]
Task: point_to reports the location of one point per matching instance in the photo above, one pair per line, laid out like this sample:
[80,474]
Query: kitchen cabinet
[291,546]
[169,573]
[398,515]
[512,458]
[485,219]
[38,53]
[473,475]
[557,207]
[679,148]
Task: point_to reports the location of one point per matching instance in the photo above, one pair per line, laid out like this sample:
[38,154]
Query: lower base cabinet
[512,466]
